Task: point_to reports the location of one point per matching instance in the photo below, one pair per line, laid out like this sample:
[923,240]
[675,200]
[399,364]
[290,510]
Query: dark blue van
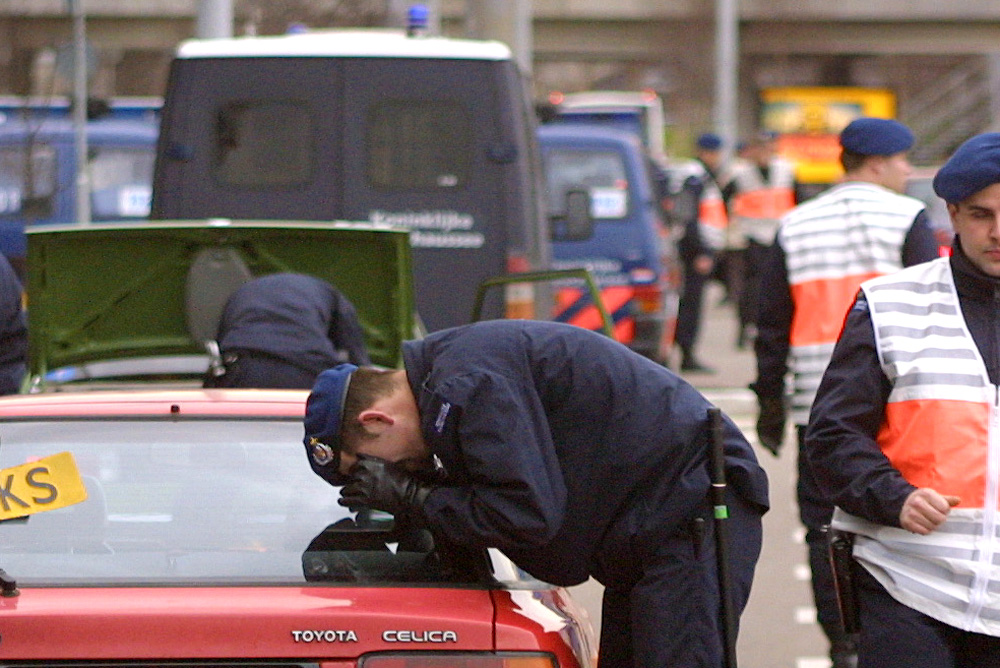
[628,248]
[38,168]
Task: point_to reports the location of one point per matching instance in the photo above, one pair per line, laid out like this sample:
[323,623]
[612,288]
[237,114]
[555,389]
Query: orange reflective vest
[832,243]
[758,204]
[941,430]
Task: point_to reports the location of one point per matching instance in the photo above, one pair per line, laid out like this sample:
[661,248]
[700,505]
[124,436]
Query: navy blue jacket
[296,318]
[552,434]
[850,402]
[13,331]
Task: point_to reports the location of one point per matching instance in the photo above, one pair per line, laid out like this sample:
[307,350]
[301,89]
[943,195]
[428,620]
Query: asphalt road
[778,628]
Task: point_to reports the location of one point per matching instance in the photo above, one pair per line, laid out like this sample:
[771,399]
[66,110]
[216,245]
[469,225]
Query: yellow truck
[808,121]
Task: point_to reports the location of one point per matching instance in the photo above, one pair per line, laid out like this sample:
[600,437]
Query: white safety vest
[759,203]
[851,233]
[941,430]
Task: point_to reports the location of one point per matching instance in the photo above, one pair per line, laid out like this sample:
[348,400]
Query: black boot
[689,363]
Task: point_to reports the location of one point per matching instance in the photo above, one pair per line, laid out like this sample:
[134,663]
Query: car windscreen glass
[27,181]
[264,144]
[202,502]
[121,182]
[419,144]
[601,173]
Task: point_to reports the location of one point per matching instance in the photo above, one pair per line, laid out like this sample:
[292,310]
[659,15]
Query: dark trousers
[816,512]
[753,263]
[689,308]
[255,370]
[661,604]
[894,635]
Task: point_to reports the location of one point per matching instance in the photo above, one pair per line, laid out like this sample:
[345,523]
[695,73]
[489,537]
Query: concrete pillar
[508,22]
[727,61]
[215,19]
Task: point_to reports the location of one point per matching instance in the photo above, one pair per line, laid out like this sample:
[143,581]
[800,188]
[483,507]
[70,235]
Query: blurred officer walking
[702,211]
[904,436]
[761,191]
[825,248]
[281,330]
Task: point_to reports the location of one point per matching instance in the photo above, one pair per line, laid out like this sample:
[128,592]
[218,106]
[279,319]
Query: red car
[206,537]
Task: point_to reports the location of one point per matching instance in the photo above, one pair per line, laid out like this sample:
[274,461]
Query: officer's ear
[375,421]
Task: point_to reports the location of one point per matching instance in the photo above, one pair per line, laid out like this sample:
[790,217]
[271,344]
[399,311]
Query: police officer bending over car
[567,451]
[281,330]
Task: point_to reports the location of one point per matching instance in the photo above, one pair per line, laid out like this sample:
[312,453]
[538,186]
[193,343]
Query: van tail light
[648,298]
[519,298]
[459,660]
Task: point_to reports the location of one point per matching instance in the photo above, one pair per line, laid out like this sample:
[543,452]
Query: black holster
[841,548]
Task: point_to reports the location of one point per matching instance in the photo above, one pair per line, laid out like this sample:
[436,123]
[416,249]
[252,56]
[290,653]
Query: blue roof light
[417,18]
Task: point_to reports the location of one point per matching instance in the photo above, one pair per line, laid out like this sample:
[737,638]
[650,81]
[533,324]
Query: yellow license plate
[46,484]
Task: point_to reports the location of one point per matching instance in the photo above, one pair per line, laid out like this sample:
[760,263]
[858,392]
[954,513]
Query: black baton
[720,511]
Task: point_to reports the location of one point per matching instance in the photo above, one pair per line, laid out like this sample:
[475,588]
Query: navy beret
[709,141]
[972,167]
[323,421]
[876,136]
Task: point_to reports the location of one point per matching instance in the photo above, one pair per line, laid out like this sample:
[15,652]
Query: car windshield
[203,502]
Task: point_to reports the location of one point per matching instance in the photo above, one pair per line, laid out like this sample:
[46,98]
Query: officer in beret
[825,247]
[569,452]
[903,438]
[699,206]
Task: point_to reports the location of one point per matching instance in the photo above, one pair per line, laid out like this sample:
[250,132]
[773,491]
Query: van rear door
[257,144]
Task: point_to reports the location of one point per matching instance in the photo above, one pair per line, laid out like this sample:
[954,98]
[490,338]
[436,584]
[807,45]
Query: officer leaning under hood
[570,453]
[281,330]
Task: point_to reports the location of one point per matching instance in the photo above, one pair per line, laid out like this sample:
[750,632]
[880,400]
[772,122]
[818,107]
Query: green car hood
[138,290]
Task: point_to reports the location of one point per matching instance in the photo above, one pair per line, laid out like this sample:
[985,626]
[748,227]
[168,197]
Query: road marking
[805,614]
[802,573]
[812,662]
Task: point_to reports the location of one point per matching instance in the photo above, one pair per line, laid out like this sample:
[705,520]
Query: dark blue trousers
[894,635]
[662,607]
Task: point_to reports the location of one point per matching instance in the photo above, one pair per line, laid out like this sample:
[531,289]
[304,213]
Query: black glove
[771,423]
[376,483]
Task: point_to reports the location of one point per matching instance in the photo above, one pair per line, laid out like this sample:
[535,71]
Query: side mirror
[578,223]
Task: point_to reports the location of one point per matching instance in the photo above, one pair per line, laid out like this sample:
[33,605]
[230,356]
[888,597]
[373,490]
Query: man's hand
[925,510]
[771,423]
[376,483]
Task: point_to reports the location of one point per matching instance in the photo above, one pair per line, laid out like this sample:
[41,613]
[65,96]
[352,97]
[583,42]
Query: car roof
[231,403]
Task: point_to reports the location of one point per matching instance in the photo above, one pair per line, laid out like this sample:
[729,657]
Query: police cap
[709,141]
[323,422]
[972,167]
[876,136]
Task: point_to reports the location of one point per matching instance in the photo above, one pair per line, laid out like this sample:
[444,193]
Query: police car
[160,523]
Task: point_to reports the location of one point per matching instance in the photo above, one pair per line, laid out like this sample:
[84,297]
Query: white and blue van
[627,247]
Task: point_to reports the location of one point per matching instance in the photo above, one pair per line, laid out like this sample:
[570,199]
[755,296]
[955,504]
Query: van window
[27,187]
[602,173]
[419,145]
[264,144]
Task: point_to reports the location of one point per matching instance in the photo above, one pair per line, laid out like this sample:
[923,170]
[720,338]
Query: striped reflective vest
[758,204]
[713,219]
[832,243]
[941,430]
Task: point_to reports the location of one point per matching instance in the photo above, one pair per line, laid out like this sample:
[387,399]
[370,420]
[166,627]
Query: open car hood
[124,291]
